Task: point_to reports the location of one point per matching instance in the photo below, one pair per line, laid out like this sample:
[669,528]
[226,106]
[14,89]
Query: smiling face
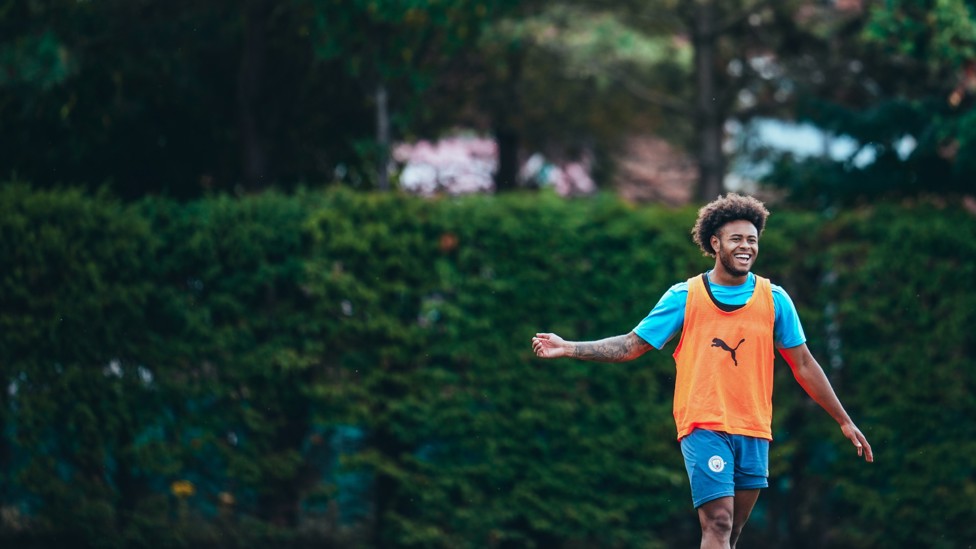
[736,246]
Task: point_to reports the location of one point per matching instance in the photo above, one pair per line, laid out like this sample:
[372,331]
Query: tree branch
[664,101]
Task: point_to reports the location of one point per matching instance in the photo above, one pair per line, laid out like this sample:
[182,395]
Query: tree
[546,78]
[180,98]
[898,78]
[740,51]
[580,71]
[393,49]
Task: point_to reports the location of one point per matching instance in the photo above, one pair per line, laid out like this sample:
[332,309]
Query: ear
[715,242]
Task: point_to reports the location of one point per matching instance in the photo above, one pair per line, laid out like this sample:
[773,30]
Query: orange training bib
[724,364]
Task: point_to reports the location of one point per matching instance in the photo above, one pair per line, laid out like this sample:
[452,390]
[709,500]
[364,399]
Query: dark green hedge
[355,370]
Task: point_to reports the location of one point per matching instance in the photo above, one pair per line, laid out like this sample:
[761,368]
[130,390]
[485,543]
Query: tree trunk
[254,161]
[508,145]
[506,133]
[709,121]
[382,138]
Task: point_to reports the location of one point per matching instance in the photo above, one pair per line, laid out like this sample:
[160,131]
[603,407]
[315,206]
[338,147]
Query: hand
[858,439]
[549,346]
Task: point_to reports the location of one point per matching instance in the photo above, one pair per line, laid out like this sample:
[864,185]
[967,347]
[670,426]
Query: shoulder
[679,288]
[677,293]
[674,298]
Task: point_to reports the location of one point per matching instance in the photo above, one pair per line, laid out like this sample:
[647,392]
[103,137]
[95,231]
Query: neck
[722,277]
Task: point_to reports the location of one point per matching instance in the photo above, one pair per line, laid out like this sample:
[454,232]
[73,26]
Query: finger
[542,336]
[862,445]
[868,453]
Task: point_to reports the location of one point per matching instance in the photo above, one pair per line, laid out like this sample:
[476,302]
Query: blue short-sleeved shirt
[668,316]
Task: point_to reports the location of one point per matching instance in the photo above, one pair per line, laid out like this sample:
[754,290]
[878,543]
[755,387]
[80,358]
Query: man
[730,321]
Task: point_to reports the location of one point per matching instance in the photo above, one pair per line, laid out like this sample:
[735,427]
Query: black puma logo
[716,342]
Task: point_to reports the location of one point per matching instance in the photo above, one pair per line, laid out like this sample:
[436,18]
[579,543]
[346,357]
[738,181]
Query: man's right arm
[612,349]
[660,325]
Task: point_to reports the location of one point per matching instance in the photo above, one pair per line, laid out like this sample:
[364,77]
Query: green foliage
[75,345]
[940,32]
[902,89]
[402,46]
[143,97]
[355,369]
[34,62]
[381,40]
[922,383]
[587,51]
[182,98]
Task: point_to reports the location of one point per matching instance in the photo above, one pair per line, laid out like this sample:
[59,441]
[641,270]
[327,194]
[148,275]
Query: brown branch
[659,99]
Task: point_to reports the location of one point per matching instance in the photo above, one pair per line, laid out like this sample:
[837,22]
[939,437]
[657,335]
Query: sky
[801,140]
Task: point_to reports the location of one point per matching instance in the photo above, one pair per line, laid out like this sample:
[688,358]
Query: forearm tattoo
[612,349]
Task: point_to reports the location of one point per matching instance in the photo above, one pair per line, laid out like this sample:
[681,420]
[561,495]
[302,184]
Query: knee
[717,522]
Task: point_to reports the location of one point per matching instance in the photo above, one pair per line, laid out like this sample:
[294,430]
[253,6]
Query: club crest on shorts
[716,464]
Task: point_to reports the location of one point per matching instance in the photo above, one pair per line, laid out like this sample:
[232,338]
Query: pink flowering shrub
[570,178]
[465,164]
[455,165]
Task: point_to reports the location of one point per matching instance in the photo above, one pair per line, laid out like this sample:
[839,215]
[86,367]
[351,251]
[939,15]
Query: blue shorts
[718,464]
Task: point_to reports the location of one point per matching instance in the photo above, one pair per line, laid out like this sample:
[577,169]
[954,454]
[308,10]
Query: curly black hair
[731,207]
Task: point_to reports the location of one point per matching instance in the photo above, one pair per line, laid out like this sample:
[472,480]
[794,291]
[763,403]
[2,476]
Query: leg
[745,500]
[709,462]
[716,518]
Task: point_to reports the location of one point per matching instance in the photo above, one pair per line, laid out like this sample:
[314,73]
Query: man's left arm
[812,378]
